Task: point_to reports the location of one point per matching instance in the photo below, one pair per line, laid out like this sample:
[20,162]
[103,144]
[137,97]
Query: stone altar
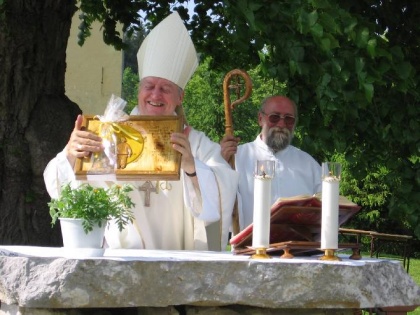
[40,280]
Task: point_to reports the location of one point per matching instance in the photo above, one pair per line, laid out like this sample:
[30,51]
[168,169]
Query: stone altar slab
[54,278]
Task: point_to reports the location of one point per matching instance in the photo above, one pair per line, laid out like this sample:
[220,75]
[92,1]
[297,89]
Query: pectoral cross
[147,187]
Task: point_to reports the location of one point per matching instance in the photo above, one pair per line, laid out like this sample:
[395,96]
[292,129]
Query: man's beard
[279,138]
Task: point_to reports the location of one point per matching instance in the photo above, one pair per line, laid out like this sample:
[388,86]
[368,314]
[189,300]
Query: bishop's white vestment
[296,173]
[178,214]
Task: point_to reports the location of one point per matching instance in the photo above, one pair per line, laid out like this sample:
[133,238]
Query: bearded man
[296,172]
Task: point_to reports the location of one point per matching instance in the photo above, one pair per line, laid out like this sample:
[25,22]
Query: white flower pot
[75,237]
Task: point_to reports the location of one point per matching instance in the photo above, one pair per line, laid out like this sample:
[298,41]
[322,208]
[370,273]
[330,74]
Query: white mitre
[168,52]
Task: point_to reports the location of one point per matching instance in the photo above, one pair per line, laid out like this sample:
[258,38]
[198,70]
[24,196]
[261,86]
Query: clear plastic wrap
[106,162]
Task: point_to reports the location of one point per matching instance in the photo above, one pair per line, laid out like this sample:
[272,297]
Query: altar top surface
[168,255]
[56,278]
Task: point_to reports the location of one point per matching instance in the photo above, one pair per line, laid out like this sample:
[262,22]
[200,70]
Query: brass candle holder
[329,254]
[260,253]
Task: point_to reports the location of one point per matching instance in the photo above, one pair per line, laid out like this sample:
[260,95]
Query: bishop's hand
[82,143]
[181,143]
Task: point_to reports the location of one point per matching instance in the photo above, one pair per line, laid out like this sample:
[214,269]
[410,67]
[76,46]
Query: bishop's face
[158,96]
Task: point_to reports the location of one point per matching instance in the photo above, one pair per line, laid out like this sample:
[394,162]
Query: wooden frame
[142,149]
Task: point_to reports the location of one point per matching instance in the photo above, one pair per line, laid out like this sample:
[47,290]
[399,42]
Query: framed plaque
[137,149]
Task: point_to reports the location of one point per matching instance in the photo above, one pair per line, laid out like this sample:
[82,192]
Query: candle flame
[262,170]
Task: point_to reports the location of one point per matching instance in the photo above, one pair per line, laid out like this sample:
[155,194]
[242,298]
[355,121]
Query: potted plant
[87,209]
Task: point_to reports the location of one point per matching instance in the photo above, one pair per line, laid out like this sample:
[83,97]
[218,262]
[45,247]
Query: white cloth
[176,218]
[296,173]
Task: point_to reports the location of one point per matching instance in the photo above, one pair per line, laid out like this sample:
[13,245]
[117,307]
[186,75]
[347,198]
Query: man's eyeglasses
[274,118]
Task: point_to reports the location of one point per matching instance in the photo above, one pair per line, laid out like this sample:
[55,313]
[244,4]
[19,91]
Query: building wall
[94,71]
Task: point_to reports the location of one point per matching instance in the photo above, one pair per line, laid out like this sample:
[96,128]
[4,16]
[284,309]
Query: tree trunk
[36,116]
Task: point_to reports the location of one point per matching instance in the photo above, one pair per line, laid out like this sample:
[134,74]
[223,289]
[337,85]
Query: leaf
[417,231]
[331,94]
[92,204]
[293,67]
[247,12]
[320,4]
[360,65]
[333,41]
[329,24]
[312,18]
[351,24]
[362,37]
[297,52]
[326,79]
[368,91]
[404,70]
[326,44]
[317,30]
[371,47]
[336,65]
[397,53]
[308,22]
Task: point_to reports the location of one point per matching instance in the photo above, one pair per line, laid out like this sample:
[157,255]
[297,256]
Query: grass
[414,272]
[414,268]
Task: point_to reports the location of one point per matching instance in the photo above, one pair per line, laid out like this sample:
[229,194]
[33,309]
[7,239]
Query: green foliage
[414,272]
[110,13]
[204,104]
[93,205]
[130,85]
[203,99]
[356,92]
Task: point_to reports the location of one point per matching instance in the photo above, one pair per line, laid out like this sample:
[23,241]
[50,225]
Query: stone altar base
[39,280]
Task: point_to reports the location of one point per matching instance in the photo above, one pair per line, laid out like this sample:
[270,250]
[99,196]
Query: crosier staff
[229,106]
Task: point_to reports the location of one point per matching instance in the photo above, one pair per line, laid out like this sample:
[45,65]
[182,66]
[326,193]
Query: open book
[294,219]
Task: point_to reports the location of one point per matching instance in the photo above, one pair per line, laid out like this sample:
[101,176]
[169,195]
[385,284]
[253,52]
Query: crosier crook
[236,73]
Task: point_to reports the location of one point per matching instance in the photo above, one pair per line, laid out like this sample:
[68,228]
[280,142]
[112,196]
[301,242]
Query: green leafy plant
[94,205]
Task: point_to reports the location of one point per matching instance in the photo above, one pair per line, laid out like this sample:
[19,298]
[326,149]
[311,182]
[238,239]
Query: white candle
[262,204]
[330,196]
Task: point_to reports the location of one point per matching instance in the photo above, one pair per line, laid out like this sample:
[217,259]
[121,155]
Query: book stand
[295,228]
